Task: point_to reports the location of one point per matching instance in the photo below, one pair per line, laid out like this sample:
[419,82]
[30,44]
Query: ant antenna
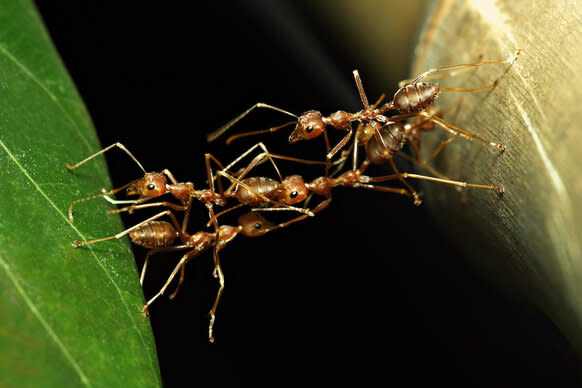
[118,145]
[216,134]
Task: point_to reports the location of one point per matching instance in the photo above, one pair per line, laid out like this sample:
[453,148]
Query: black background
[367,291]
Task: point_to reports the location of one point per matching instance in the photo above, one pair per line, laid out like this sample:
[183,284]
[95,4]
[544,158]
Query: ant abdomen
[393,139]
[415,97]
[260,185]
[155,234]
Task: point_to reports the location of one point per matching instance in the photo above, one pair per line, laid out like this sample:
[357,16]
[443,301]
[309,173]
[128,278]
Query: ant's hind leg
[180,281]
[220,276]
[180,264]
[153,252]
[77,244]
[453,68]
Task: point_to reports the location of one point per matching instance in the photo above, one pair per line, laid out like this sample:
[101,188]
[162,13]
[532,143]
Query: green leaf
[69,317]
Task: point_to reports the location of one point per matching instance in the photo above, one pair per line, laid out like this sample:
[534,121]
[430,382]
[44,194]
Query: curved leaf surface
[70,317]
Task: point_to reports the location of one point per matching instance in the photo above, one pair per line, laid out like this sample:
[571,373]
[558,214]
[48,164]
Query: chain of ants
[383,130]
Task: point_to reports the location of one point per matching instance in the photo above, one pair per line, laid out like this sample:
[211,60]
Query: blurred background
[367,290]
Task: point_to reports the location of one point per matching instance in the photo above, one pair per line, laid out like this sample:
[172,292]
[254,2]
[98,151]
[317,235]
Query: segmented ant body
[382,130]
[151,185]
[392,137]
[324,185]
[258,192]
[412,98]
[161,236]
[285,192]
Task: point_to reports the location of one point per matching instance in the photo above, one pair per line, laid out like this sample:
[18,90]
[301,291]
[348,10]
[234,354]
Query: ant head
[152,185]
[253,224]
[293,190]
[309,125]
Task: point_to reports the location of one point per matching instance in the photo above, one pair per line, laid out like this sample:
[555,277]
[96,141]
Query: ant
[392,139]
[155,184]
[160,236]
[355,179]
[152,185]
[250,191]
[409,100]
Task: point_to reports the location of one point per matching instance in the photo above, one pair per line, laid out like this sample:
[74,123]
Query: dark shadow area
[367,291]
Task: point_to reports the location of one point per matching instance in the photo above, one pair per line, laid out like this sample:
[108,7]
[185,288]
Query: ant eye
[293,194]
[309,129]
[151,186]
[258,226]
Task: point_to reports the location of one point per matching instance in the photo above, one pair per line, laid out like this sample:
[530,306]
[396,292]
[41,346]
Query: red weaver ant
[409,100]
[160,236]
[155,184]
[152,185]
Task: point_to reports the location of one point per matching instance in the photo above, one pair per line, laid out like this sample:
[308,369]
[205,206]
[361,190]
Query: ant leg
[148,205]
[306,212]
[260,158]
[413,192]
[75,202]
[470,90]
[361,91]
[208,158]
[389,190]
[415,195]
[455,67]
[455,183]
[426,167]
[220,276]
[77,244]
[214,135]
[104,194]
[265,199]
[339,145]
[341,161]
[153,252]
[257,160]
[442,145]
[322,205]
[114,201]
[167,173]
[259,132]
[294,159]
[180,281]
[359,129]
[180,264]
[451,73]
[186,218]
[407,175]
[326,141]
[348,136]
[355,150]
[461,132]
[118,145]
[424,124]
[215,217]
